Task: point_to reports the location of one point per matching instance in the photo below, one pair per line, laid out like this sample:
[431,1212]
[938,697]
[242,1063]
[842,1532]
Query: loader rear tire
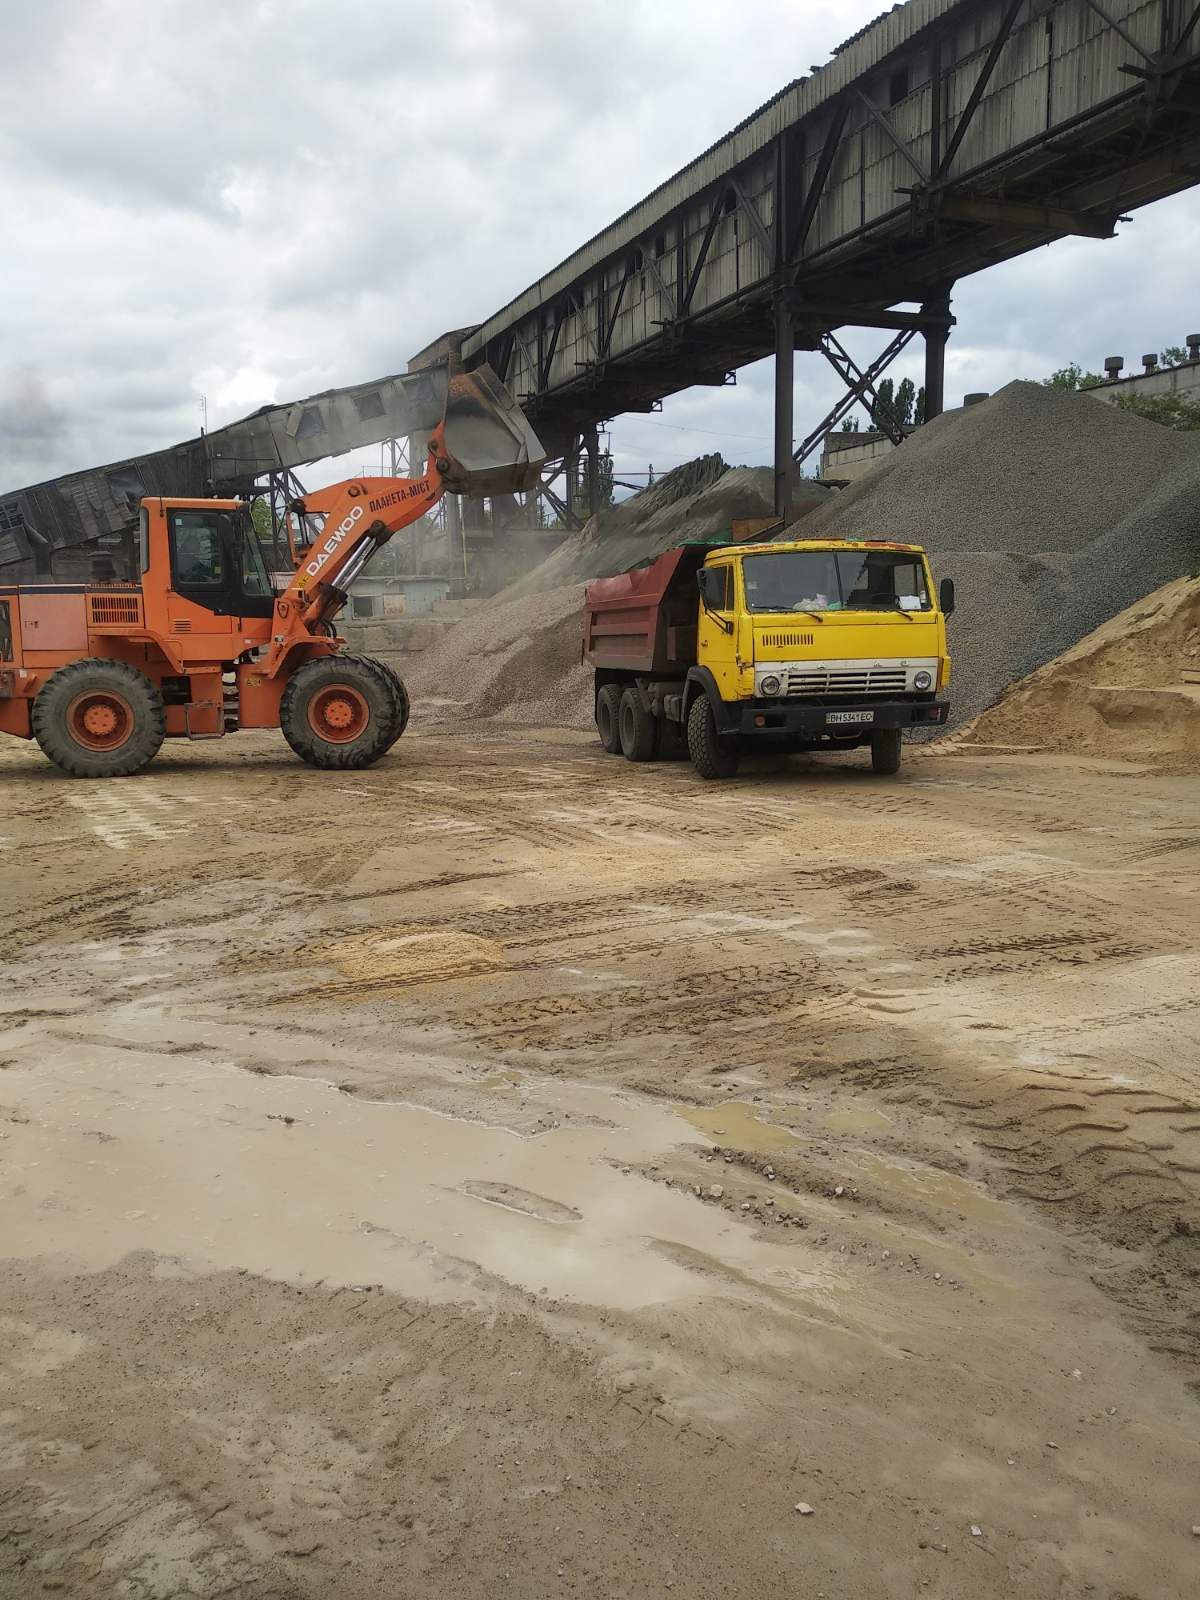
[99,719]
[639,729]
[712,756]
[608,718]
[342,713]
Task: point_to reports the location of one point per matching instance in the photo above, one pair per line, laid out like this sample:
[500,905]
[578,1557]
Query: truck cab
[805,645]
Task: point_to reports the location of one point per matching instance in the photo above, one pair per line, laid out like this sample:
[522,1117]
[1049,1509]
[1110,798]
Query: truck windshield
[835,580]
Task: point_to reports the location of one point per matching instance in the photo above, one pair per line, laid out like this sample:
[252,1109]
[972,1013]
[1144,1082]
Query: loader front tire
[712,756]
[401,697]
[99,719]
[342,713]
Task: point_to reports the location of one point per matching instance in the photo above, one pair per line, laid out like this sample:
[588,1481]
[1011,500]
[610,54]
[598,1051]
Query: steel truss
[1073,178]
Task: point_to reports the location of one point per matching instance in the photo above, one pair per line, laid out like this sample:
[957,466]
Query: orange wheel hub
[100,719]
[338,714]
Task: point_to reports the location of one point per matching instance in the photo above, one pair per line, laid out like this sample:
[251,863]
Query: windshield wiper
[803,611]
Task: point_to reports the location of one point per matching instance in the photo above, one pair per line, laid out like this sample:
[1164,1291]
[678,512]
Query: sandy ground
[512,1172]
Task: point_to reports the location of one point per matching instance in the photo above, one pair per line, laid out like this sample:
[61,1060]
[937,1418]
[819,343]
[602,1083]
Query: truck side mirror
[946,597]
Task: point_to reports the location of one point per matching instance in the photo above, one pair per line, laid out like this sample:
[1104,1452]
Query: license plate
[850,716]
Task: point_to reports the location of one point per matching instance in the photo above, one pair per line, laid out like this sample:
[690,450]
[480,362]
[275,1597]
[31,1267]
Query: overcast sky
[251,201]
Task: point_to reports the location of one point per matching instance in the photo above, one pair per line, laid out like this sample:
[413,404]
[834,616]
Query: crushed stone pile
[1123,690]
[1052,512]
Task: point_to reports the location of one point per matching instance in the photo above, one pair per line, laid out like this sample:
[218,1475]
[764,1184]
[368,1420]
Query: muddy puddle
[739,1124]
[118,1146]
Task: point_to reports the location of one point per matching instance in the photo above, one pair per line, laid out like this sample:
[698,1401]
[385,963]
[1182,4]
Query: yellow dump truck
[808,645]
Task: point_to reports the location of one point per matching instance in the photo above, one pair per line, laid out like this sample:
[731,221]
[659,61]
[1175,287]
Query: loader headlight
[769,685]
[923,681]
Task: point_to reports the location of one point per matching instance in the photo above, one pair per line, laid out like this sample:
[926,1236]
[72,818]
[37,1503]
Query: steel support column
[935,356]
[785,362]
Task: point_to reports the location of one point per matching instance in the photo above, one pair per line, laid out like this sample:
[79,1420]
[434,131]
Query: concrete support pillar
[785,362]
[935,357]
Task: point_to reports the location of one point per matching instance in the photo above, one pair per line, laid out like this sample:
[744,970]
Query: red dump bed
[645,620]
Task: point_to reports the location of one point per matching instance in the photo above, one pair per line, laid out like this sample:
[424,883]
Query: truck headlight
[923,681]
[770,685]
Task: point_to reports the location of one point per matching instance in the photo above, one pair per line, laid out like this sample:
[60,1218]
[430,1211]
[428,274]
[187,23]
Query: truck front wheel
[885,751]
[711,756]
[639,731]
[608,718]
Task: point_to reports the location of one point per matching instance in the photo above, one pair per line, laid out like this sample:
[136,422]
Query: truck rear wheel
[341,712]
[711,756]
[608,718]
[99,719]
[885,751]
[639,730]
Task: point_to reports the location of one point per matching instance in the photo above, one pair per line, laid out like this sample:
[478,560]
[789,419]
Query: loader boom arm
[482,446]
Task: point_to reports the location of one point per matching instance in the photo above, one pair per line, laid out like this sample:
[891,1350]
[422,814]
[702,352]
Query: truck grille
[878,680]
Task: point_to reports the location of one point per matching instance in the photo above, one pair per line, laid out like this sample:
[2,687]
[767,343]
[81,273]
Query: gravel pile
[518,657]
[1052,512]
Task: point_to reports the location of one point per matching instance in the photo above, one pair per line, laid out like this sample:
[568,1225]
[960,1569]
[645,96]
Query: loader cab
[214,559]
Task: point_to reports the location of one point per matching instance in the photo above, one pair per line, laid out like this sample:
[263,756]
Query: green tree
[1168,410]
[850,424]
[899,407]
[1174,356]
[1070,379]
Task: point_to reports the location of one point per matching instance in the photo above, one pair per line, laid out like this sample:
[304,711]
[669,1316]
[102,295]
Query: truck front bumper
[764,719]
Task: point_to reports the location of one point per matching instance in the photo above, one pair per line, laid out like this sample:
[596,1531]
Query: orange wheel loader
[99,674]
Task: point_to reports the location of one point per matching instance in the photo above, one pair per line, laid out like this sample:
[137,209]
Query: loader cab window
[254,568]
[217,563]
[197,553]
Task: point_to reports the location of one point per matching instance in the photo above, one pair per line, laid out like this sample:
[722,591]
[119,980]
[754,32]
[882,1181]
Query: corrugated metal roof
[800,98]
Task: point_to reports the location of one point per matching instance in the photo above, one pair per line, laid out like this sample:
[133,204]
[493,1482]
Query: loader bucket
[492,449]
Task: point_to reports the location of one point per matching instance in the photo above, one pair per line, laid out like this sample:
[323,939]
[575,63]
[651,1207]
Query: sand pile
[1120,691]
[1052,512]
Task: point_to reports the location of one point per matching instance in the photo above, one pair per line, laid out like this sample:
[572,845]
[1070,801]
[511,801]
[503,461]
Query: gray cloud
[251,199]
